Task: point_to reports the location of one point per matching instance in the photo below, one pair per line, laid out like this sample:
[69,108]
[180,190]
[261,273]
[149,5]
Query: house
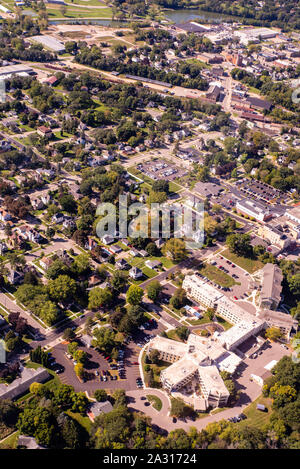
[28,442]
[143,253]
[86,340]
[44,131]
[98,408]
[21,384]
[91,244]
[115,249]
[58,218]
[46,262]
[94,280]
[15,277]
[153,264]
[121,264]
[51,80]
[4,145]
[159,243]
[69,223]
[134,252]
[135,273]
[107,239]
[3,248]
[125,242]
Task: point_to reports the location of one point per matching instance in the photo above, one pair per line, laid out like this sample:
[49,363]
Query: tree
[183,332]
[273,333]
[210,312]
[175,248]
[79,370]
[152,249]
[63,288]
[240,244]
[99,297]
[69,334]
[134,295]
[179,298]
[36,388]
[119,280]
[154,356]
[179,408]
[100,395]
[153,290]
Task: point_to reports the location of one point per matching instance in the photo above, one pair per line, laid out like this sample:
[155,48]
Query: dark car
[57,368]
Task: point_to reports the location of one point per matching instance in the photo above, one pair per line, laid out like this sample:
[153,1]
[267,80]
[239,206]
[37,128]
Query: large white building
[199,361]
[247,35]
[294,214]
[253,209]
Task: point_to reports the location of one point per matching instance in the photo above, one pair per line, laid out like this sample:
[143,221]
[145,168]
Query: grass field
[250,265]
[255,417]
[73,12]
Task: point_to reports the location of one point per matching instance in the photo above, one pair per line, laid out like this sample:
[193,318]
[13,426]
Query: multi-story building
[274,236]
[283,321]
[253,209]
[270,294]
[294,214]
[201,291]
[198,361]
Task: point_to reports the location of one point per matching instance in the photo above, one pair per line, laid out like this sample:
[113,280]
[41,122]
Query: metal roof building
[49,42]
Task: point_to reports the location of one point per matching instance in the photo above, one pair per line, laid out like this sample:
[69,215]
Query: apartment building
[179,374]
[198,361]
[212,386]
[169,350]
[283,321]
[237,334]
[201,291]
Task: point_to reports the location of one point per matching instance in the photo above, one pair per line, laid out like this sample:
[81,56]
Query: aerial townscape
[137,338]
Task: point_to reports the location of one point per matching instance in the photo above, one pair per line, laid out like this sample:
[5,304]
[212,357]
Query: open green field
[255,417]
[216,275]
[73,12]
[250,265]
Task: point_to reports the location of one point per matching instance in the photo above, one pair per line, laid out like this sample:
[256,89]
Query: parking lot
[161,170]
[260,191]
[99,369]
[250,390]
[236,292]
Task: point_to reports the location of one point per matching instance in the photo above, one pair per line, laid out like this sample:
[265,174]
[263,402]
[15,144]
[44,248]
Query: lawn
[84,421]
[172,335]
[10,442]
[250,265]
[223,323]
[217,275]
[155,401]
[255,417]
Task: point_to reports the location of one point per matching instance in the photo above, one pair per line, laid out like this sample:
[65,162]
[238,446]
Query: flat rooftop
[49,42]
